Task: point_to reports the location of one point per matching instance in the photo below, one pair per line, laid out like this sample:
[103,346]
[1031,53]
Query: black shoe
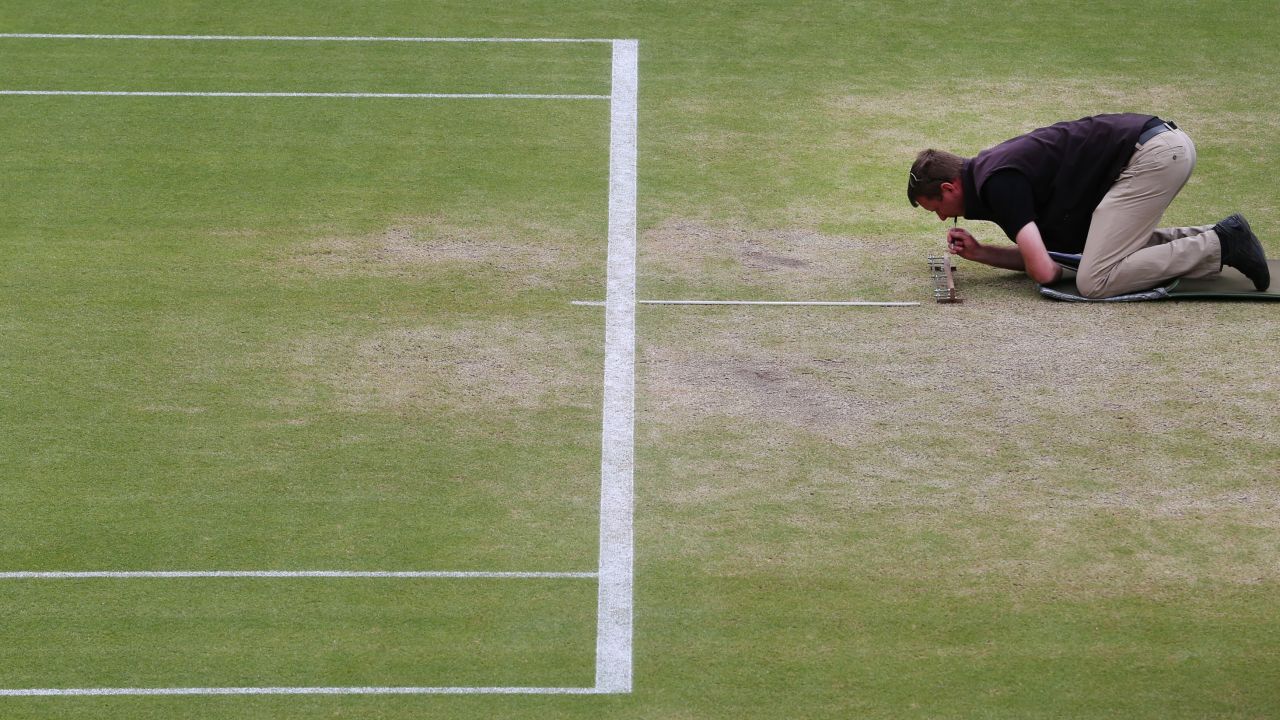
[1242,251]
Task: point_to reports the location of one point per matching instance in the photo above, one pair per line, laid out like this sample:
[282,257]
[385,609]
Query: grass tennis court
[261,333]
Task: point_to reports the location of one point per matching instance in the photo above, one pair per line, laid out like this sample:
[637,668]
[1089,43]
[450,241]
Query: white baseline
[409,96]
[174,574]
[294,38]
[375,690]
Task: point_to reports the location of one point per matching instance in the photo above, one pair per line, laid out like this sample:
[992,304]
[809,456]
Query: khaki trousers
[1124,251]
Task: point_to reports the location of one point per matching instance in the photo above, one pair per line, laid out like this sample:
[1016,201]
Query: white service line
[390,690]
[843,303]
[412,96]
[617,462]
[295,38]
[395,574]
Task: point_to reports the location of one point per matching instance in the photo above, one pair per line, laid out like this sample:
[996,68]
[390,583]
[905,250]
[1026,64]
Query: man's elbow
[1045,275]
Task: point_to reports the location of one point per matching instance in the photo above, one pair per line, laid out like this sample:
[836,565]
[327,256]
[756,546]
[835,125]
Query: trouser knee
[1091,285]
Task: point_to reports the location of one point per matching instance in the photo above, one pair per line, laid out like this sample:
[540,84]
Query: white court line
[415,96]
[394,574]
[295,38]
[617,464]
[378,690]
[843,303]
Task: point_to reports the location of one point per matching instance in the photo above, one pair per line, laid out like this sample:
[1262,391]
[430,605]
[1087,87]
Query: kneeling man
[1097,186]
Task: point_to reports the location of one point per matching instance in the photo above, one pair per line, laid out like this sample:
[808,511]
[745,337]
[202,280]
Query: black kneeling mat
[1230,284]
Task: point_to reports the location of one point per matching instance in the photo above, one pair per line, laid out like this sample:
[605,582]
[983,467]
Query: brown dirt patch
[777,263]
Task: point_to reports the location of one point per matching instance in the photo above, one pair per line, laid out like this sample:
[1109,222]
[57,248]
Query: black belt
[1164,127]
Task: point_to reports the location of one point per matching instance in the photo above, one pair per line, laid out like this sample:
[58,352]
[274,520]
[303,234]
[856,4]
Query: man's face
[950,205]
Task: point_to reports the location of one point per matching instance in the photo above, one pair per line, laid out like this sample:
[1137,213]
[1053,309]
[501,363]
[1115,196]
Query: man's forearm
[1001,256]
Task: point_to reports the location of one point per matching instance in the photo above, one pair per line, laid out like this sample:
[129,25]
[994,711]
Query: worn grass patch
[470,365]
[692,259]
[493,332]
[412,247]
[1091,451]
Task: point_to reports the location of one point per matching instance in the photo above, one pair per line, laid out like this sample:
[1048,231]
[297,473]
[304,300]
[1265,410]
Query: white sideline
[844,303]
[413,96]
[169,574]
[295,38]
[617,462]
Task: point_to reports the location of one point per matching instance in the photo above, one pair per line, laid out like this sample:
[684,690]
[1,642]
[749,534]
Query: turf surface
[295,333]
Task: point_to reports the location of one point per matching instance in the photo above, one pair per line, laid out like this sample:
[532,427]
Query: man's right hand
[961,243]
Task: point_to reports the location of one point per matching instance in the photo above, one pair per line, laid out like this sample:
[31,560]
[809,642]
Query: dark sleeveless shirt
[1070,166]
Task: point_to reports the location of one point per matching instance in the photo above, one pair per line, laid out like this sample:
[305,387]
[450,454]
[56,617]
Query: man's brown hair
[930,170]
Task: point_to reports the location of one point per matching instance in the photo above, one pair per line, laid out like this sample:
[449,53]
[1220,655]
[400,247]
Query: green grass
[252,334]
[329,632]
